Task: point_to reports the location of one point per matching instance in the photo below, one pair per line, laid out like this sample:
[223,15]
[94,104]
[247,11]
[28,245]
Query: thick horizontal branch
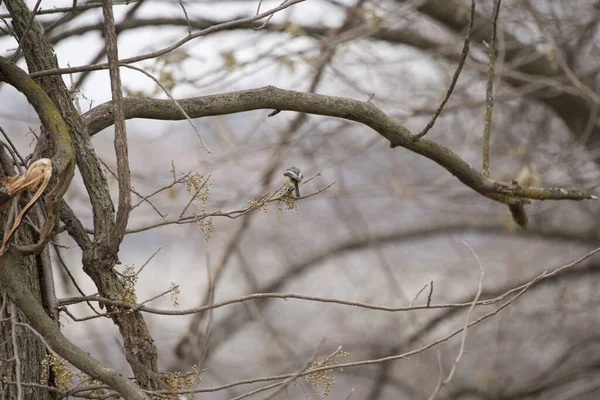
[573,109]
[364,112]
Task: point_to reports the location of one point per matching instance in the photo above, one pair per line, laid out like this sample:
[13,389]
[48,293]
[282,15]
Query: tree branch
[168,49]
[63,157]
[46,110]
[120,142]
[366,113]
[573,109]
[14,284]
[489,94]
[461,62]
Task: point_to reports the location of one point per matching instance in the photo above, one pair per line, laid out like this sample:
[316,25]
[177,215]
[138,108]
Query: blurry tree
[521,95]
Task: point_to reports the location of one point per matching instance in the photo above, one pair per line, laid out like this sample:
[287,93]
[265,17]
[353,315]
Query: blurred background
[392,223]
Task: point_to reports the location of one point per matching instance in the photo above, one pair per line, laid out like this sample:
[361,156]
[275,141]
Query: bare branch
[365,112]
[518,293]
[168,93]
[212,29]
[13,283]
[461,62]
[256,296]
[56,10]
[443,382]
[15,347]
[120,142]
[489,94]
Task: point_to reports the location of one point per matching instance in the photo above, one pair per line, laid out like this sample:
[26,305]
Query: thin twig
[268,18]
[412,303]
[78,8]
[136,307]
[489,94]
[211,299]
[232,214]
[377,360]
[162,189]
[187,117]
[461,62]
[134,191]
[192,198]
[15,346]
[168,49]
[72,278]
[443,382]
[14,152]
[147,261]
[289,380]
[24,35]
[186,16]
[430,294]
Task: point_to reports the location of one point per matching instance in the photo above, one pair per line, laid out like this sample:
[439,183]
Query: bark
[99,256]
[13,283]
[30,349]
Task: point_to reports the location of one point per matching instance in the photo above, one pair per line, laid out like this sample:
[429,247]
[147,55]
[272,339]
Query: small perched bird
[293,177]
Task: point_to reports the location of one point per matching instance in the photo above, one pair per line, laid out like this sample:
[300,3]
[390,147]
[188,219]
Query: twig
[15,346]
[489,94]
[158,53]
[14,152]
[211,299]
[268,18]
[186,16]
[24,35]
[138,194]
[72,278]
[192,198]
[78,8]
[377,360]
[232,214]
[168,93]
[145,198]
[412,303]
[147,261]
[545,275]
[430,294]
[443,382]
[289,380]
[461,62]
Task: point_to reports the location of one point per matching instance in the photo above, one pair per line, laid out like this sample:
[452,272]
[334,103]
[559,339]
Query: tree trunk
[30,349]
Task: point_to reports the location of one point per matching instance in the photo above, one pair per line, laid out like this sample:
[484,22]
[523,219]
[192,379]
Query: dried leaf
[37,177]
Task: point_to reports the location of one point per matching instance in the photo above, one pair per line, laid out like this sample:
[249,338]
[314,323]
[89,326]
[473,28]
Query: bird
[293,177]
